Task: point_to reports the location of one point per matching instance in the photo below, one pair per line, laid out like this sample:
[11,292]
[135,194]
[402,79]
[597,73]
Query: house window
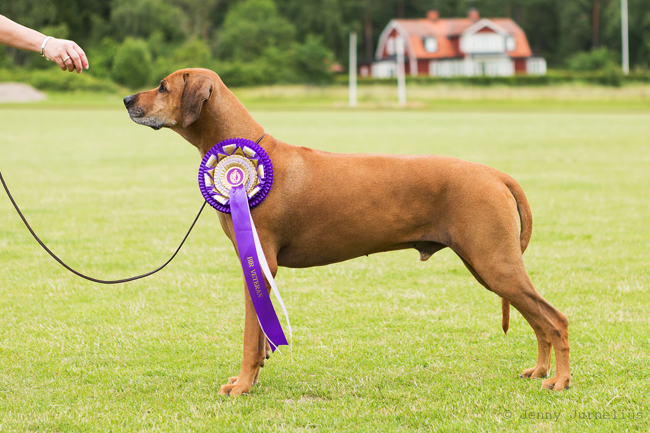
[511,44]
[430,44]
[390,46]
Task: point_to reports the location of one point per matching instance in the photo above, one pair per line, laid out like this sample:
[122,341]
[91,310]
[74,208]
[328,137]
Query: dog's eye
[162,88]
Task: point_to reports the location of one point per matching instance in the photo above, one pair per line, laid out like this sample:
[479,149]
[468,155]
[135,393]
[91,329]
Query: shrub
[313,61]
[56,80]
[238,74]
[5,60]
[194,53]
[132,65]
[613,76]
[596,60]
[102,57]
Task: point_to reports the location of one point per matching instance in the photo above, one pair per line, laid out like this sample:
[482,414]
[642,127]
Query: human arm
[67,54]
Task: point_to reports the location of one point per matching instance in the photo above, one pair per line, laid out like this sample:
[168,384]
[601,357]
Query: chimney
[433,15]
[473,14]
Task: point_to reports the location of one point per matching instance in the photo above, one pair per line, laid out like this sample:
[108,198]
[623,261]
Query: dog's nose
[129,100]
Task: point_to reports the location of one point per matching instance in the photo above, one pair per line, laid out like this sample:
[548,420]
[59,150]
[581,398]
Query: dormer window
[511,44]
[430,44]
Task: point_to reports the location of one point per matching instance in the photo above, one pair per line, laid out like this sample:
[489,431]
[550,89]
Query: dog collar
[231,163]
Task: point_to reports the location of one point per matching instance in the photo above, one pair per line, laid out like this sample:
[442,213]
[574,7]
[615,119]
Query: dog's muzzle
[137,114]
[129,103]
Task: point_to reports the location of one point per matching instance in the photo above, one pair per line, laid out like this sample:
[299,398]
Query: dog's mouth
[137,115]
[136,112]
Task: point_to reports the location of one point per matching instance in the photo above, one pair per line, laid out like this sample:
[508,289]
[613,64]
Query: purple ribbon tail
[253,273]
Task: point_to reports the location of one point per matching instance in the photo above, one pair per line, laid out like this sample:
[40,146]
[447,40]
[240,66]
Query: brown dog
[326,208]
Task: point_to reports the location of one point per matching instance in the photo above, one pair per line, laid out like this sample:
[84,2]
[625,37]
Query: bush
[5,60]
[12,74]
[194,53]
[132,65]
[238,74]
[313,61]
[612,76]
[59,81]
[54,79]
[102,58]
[596,60]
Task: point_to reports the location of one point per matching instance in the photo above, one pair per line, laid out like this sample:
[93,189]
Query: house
[448,47]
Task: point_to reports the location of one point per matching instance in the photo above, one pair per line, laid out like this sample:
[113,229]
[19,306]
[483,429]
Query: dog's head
[177,101]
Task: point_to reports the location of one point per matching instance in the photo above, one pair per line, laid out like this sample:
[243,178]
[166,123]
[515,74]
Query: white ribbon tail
[269,277]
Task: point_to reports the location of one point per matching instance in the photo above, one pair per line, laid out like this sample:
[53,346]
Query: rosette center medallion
[232,163]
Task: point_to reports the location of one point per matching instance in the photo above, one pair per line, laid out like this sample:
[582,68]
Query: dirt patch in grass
[19,92]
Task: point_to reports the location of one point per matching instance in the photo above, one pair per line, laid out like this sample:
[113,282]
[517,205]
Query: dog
[325,208]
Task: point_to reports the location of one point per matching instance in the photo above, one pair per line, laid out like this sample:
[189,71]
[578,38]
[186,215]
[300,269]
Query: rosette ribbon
[236,175]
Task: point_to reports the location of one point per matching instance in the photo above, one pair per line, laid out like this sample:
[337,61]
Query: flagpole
[401,81]
[353,70]
[624,35]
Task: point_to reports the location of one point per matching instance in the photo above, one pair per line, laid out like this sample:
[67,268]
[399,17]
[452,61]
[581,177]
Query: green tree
[132,65]
[194,53]
[313,61]
[639,30]
[199,13]
[251,27]
[78,15]
[36,14]
[319,17]
[143,18]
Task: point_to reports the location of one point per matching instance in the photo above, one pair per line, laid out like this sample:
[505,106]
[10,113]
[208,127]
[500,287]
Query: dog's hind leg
[503,271]
[543,341]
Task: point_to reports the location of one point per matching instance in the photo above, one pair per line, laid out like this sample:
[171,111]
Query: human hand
[67,54]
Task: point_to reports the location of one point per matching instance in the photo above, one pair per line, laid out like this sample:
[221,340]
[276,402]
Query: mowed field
[381,343]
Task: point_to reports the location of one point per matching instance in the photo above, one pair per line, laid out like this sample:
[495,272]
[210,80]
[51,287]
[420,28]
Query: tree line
[136,42]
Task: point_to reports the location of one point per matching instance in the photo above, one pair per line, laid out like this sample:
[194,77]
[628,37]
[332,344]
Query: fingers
[67,54]
[78,58]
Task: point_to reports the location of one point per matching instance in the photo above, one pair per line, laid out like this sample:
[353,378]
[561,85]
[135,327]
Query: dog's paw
[234,390]
[534,373]
[241,384]
[557,383]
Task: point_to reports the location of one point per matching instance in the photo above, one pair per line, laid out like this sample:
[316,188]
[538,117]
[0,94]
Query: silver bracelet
[43,46]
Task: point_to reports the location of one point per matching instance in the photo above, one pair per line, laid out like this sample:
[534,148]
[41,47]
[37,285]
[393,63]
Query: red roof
[447,32]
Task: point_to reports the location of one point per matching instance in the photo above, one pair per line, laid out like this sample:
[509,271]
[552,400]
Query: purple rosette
[235,176]
[235,162]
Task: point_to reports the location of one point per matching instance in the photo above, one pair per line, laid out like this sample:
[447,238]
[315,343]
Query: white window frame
[430,44]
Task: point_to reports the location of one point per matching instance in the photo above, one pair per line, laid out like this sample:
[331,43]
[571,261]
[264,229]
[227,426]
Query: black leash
[125,280]
[95,280]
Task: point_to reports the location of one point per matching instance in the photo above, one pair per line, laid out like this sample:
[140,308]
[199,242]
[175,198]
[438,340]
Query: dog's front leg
[256,351]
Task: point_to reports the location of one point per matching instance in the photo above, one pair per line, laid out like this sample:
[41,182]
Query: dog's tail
[526,224]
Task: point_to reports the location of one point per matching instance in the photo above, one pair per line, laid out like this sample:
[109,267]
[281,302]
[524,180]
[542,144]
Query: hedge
[612,77]
[56,80]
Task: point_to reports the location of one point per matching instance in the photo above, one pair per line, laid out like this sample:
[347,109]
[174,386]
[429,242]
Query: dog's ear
[197,90]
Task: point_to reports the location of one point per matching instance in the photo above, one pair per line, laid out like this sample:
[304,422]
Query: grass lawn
[381,343]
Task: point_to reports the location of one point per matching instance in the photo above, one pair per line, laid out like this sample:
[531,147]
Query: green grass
[381,343]
[577,98]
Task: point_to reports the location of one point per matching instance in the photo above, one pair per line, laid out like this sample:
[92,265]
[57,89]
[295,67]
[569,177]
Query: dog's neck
[222,117]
